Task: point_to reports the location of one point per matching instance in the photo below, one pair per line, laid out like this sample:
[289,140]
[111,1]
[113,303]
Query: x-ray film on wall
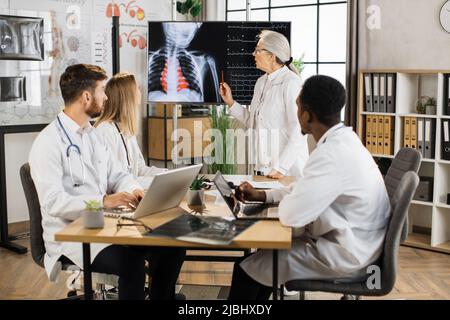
[188,60]
[21,38]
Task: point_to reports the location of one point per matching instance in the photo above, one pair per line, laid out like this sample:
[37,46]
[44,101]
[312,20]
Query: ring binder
[391,91]
[376,92]
[368,91]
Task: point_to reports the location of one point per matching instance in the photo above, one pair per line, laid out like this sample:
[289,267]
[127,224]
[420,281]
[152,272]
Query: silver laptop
[243,210]
[166,191]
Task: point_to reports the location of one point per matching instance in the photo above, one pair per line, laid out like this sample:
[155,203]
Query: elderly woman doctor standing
[272,112]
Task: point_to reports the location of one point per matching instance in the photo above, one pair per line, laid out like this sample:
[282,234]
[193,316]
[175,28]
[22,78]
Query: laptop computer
[243,210]
[165,192]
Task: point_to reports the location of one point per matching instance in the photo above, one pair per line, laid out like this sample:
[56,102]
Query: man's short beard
[94,110]
[93,114]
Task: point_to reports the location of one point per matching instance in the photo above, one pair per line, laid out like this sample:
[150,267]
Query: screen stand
[175,135]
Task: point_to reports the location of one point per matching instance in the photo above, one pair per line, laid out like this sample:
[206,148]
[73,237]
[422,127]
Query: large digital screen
[188,60]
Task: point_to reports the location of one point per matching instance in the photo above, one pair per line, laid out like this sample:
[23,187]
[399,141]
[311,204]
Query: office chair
[401,182]
[388,260]
[37,242]
[405,160]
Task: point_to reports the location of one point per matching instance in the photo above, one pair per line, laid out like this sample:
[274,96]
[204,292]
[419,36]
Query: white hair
[277,44]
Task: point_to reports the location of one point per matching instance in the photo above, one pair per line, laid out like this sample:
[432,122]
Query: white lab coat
[141,172]
[343,207]
[273,110]
[61,203]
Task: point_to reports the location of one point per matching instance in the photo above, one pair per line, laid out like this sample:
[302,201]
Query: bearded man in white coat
[339,209]
[71,164]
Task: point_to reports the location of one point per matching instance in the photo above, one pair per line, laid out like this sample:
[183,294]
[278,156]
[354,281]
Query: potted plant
[93,215]
[190,8]
[426,105]
[196,193]
[298,63]
[221,121]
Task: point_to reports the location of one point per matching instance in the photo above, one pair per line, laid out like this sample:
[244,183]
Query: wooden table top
[263,234]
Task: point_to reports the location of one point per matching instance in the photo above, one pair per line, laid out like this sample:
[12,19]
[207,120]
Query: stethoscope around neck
[73,148]
[125,147]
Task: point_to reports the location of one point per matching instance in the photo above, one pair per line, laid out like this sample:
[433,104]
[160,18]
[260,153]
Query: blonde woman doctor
[118,126]
[279,148]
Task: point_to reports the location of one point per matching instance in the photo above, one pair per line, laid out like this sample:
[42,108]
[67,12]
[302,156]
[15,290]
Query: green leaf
[189,4]
[298,63]
[196,9]
[221,121]
[179,6]
[182,8]
[198,183]
[93,205]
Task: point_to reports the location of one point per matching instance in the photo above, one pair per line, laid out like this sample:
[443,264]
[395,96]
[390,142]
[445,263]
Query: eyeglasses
[130,222]
[258,50]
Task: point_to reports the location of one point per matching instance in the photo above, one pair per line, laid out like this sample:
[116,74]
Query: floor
[421,275]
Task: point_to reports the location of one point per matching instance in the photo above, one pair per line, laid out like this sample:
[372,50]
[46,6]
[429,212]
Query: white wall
[215,10]
[17,147]
[410,36]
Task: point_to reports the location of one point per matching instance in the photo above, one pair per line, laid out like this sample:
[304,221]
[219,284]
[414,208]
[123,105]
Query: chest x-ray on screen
[184,62]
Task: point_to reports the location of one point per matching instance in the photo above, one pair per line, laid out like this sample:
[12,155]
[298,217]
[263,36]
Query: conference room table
[263,234]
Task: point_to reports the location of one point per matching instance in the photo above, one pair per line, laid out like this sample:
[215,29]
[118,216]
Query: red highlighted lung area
[181,80]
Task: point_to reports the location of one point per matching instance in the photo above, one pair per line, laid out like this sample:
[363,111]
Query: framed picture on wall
[21,38]
[12,89]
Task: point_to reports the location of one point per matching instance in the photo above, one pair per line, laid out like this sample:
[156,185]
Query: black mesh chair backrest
[34,210]
[405,160]
[400,203]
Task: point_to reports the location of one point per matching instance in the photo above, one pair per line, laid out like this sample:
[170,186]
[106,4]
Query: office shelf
[382,156]
[443,205]
[378,113]
[422,203]
[418,240]
[445,247]
[160,124]
[410,85]
[418,115]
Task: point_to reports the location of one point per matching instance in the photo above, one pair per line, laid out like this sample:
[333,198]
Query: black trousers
[243,287]
[128,263]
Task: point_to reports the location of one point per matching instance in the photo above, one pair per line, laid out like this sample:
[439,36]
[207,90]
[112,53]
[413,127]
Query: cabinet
[429,226]
[160,131]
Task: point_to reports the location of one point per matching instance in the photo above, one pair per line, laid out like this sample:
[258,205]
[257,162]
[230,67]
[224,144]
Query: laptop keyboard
[118,212]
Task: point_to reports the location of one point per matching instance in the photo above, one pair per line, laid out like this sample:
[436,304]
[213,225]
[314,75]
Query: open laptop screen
[227,193]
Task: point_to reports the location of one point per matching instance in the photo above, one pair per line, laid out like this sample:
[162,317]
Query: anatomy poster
[76,31]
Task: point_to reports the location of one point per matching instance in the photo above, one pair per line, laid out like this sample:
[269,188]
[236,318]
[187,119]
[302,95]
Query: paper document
[266,184]
[256,184]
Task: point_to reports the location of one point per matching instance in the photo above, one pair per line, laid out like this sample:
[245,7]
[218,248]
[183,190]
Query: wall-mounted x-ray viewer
[21,38]
[12,89]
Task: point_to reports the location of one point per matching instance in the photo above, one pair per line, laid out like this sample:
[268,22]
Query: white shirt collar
[274,75]
[330,132]
[72,126]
